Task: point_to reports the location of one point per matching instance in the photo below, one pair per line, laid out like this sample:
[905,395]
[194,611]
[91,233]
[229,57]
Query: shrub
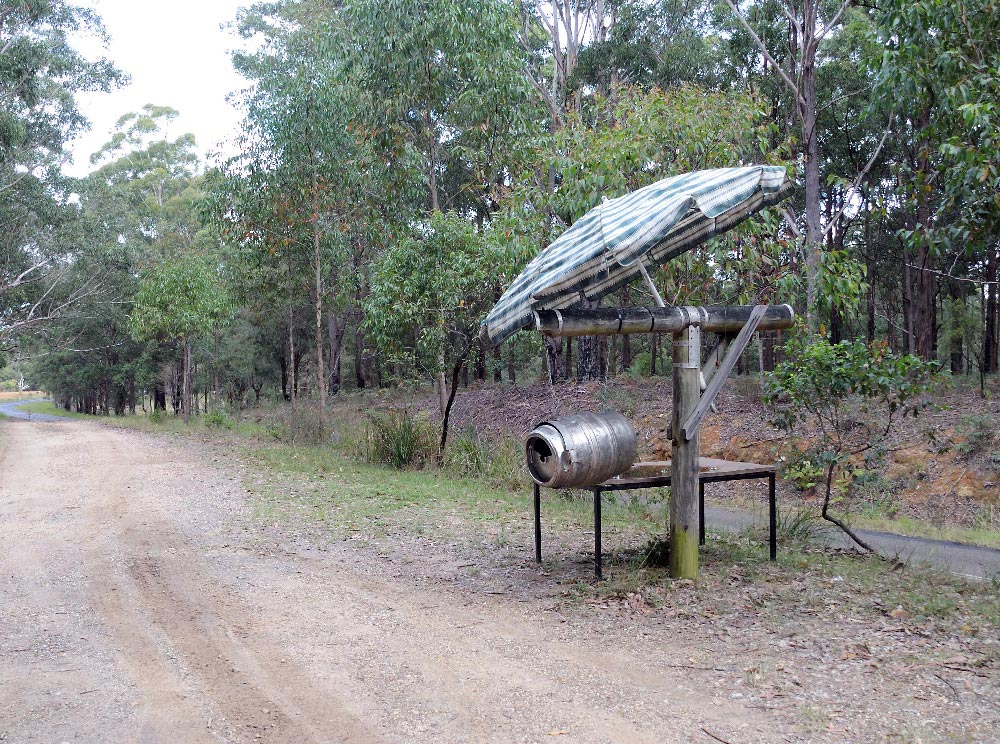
[305,425]
[219,419]
[847,396]
[398,439]
[157,416]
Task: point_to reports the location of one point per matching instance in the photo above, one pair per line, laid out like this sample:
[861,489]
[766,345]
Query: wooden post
[684,451]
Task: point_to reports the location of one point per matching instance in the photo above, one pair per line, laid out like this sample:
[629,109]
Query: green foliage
[177,299]
[799,469]
[841,282]
[846,397]
[397,439]
[826,384]
[218,419]
[436,284]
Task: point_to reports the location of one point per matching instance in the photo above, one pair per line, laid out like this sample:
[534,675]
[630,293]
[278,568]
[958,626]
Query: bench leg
[538,524]
[701,512]
[597,532]
[773,517]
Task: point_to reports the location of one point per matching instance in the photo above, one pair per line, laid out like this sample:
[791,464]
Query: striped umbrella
[605,248]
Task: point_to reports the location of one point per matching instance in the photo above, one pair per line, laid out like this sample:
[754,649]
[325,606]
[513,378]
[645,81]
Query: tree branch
[857,180]
[792,86]
[821,34]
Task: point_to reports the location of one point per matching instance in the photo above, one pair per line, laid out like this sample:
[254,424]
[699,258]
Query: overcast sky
[176,55]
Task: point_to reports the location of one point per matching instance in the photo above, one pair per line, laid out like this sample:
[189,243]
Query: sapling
[845,398]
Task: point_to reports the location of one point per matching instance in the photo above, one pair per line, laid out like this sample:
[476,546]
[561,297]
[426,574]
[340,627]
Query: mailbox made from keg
[580,450]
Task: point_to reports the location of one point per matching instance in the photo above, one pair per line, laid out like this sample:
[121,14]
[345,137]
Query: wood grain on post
[612,321]
[684,452]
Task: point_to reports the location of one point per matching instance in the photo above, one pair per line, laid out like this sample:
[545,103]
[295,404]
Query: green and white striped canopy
[602,250]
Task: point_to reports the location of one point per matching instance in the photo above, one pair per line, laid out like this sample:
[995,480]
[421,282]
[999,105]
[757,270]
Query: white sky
[176,55]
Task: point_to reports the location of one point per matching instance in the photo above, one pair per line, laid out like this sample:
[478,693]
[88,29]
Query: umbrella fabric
[601,251]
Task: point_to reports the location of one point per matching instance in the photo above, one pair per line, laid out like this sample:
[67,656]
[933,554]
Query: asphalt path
[971,561]
[12,409]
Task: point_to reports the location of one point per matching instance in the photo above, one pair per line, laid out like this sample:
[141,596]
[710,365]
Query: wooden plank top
[657,473]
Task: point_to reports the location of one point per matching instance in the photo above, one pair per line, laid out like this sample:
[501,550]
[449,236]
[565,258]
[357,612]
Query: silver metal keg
[580,450]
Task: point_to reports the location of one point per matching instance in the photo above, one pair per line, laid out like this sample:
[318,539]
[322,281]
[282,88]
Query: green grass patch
[321,484]
[49,408]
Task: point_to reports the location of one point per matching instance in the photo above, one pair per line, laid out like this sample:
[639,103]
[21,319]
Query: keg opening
[541,460]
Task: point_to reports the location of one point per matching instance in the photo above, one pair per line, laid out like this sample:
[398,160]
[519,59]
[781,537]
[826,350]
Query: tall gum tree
[809,23]
[444,90]
[40,74]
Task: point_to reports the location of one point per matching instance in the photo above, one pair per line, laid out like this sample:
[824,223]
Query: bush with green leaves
[398,439]
[219,419]
[845,399]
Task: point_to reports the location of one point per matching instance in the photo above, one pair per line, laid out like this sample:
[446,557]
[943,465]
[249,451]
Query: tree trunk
[923,318]
[588,363]
[926,289]
[553,348]
[990,331]
[957,358]
[283,362]
[871,274]
[159,394]
[360,378]
[446,412]
[908,302]
[186,385]
[480,363]
[335,328]
[318,276]
[216,387]
[442,386]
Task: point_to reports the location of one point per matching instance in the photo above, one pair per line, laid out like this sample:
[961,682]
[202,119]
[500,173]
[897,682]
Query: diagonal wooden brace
[722,374]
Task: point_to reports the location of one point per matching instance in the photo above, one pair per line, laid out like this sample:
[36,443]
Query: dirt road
[139,605]
[143,600]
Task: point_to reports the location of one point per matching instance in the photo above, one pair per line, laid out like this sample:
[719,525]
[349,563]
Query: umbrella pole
[684,518]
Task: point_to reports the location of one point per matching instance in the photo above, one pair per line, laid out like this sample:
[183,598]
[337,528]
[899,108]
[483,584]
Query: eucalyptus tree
[299,142]
[939,76]
[440,282]
[443,80]
[444,96]
[40,72]
[179,300]
[808,23]
[654,43]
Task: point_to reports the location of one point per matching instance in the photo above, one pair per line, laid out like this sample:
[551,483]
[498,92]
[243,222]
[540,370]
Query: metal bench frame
[710,471]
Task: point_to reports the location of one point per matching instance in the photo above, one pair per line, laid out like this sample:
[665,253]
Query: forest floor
[162,589]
